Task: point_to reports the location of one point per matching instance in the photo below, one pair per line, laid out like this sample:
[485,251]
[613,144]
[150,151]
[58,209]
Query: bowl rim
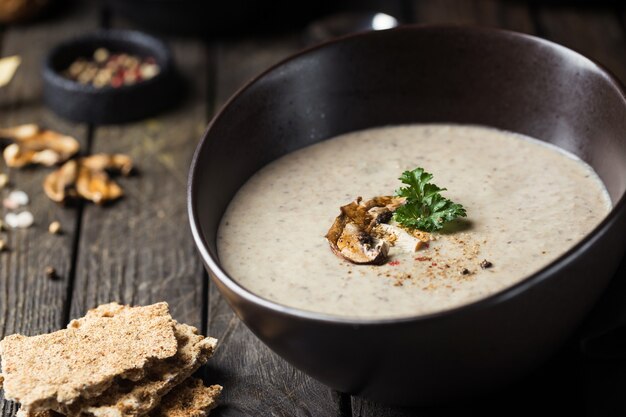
[159,48]
[503,295]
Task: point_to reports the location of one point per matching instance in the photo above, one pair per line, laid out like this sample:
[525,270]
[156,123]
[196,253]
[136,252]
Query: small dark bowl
[86,103]
[427,74]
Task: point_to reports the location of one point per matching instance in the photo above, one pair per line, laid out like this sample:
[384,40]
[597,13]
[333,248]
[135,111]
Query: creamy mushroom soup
[527,203]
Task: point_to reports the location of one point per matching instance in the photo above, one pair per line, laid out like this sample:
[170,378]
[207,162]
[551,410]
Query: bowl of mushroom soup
[299,172]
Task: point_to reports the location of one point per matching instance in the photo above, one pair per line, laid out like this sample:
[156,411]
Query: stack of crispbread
[117,361]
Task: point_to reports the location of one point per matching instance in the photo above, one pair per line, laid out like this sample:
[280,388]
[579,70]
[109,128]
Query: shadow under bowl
[422,74]
[107,105]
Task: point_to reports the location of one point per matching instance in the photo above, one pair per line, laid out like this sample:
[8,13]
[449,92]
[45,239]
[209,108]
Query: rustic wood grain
[139,250]
[512,15]
[256,381]
[595,32]
[29,302]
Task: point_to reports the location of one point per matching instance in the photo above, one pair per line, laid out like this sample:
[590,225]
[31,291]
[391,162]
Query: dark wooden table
[140,250]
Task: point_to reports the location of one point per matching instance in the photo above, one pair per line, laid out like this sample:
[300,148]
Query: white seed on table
[19,197]
[21,220]
[4,180]
[9,204]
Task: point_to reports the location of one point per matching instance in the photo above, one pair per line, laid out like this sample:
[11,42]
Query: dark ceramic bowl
[86,103]
[427,74]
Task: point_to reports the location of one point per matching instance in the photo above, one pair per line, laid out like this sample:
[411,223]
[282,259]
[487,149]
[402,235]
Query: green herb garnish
[425,208]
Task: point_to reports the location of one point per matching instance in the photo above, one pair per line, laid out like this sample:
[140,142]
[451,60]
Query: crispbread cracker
[47,413]
[126,399]
[48,371]
[190,399]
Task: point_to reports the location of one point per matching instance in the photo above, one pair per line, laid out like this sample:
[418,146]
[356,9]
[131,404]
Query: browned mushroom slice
[105,162]
[16,157]
[401,238]
[20,132]
[88,178]
[367,214]
[379,215]
[350,237]
[33,145]
[59,184]
[360,247]
[350,242]
[97,186]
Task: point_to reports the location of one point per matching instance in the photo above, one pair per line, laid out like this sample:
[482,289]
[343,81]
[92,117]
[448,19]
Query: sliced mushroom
[33,145]
[350,237]
[88,178]
[59,185]
[20,132]
[360,247]
[362,234]
[402,239]
[97,186]
[109,162]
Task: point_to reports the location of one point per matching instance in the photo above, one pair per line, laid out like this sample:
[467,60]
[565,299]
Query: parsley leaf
[425,208]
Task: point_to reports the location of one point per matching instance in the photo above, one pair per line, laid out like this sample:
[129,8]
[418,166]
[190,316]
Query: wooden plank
[29,302]
[595,32]
[257,381]
[510,15]
[139,250]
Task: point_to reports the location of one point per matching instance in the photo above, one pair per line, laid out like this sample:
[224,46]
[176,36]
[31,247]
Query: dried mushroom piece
[97,186]
[88,178]
[109,162]
[12,11]
[352,236]
[32,145]
[401,238]
[362,234]
[8,67]
[59,185]
[360,247]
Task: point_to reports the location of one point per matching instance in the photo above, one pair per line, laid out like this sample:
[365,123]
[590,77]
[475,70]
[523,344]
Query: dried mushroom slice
[97,186]
[88,178]
[351,236]
[106,162]
[35,146]
[401,238]
[20,132]
[360,247]
[362,234]
[59,185]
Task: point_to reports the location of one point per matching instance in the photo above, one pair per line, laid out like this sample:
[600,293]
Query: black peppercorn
[485,264]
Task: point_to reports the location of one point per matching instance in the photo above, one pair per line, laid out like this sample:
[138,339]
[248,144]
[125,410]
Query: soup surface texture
[527,203]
